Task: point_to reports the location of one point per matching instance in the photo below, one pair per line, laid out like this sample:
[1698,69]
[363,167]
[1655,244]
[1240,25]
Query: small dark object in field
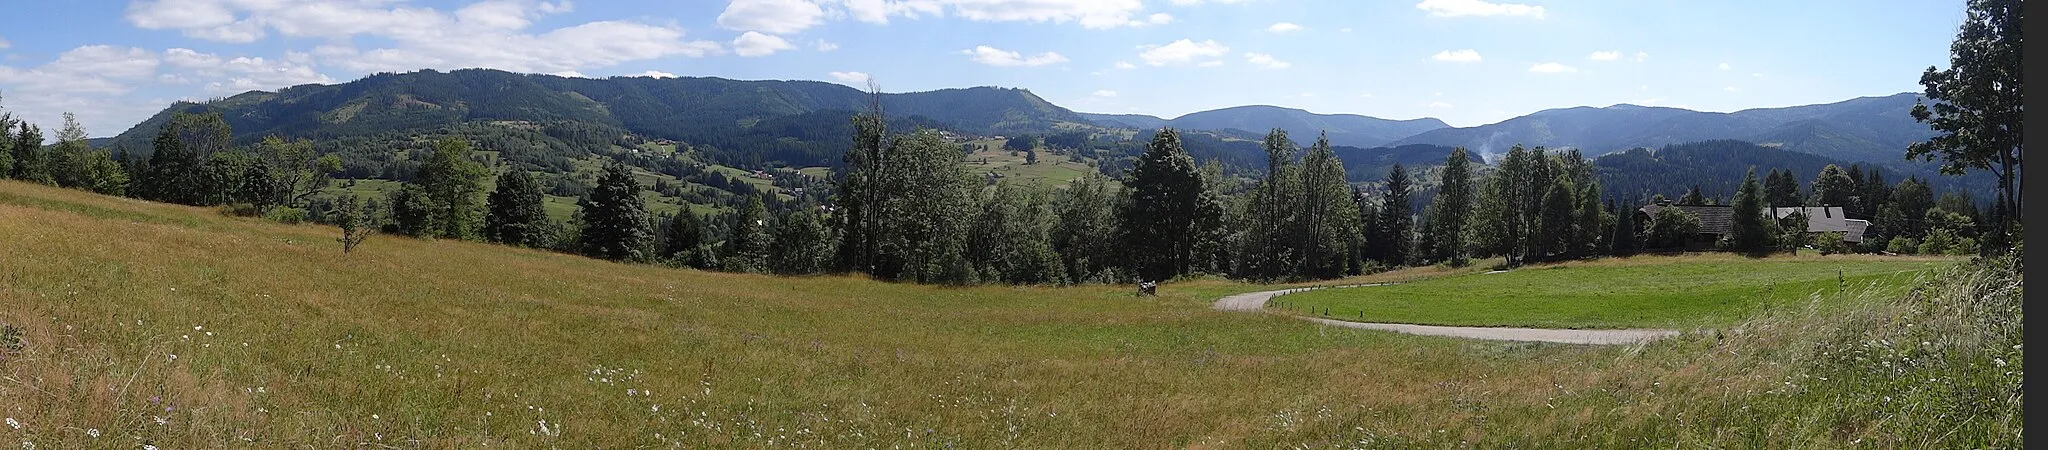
[10,339]
[1150,288]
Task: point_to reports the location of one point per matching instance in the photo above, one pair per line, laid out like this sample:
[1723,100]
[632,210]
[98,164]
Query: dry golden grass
[281,341]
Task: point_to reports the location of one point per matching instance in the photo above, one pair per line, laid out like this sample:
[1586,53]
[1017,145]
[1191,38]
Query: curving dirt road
[1256,301]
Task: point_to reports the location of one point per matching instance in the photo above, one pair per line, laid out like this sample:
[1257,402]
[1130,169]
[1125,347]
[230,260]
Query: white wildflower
[93,433]
[12,423]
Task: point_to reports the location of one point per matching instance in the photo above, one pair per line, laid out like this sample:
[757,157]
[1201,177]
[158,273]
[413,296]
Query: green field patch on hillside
[1649,291]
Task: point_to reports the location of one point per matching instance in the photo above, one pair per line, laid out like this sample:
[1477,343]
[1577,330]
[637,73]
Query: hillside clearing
[144,323]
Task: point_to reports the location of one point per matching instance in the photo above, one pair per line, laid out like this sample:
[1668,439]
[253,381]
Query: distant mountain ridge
[686,108]
[1303,126]
[1875,129]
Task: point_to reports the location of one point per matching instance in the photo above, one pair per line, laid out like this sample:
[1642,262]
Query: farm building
[1716,220]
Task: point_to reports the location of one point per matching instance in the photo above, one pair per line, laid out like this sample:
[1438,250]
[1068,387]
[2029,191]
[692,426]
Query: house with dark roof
[1717,220]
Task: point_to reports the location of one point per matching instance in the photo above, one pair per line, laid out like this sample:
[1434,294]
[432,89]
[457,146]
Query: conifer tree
[1747,226]
[686,241]
[1168,209]
[1393,239]
[517,215]
[31,160]
[746,248]
[613,220]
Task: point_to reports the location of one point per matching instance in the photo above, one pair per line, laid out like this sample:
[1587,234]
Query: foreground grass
[142,323]
[1644,291]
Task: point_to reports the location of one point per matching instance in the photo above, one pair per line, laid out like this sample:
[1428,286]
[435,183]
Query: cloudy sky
[1468,62]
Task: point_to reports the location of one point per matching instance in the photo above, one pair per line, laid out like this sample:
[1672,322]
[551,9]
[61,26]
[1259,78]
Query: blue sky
[1468,62]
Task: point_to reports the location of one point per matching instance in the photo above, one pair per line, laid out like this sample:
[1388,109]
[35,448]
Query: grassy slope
[1646,291]
[175,326]
[1053,171]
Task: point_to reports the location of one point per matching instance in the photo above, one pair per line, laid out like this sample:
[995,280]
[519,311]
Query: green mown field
[1639,292]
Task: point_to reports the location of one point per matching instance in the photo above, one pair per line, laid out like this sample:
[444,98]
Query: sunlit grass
[1644,291]
[281,341]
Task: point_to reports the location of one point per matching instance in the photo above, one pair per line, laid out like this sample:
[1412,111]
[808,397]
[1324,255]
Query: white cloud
[1438,104]
[1004,58]
[1261,59]
[1642,56]
[1198,2]
[772,16]
[656,74]
[1182,52]
[1732,89]
[1209,63]
[1724,66]
[878,11]
[88,80]
[1087,13]
[1284,27]
[1104,94]
[490,33]
[825,46]
[565,73]
[858,79]
[1125,65]
[1365,95]
[1344,30]
[753,43]
[5,45]
[1466,55]
[187,58]
[1552,68]
[1609,55]
[1459,8]
[1757,74]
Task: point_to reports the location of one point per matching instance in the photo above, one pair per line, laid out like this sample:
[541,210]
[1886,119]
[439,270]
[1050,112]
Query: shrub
[292,216]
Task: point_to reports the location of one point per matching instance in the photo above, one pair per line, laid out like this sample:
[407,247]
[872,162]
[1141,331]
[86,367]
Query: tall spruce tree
[686,241]
[1394,237]
[1693,197]
[1747,227]
[31,160]
[517,215]
[746,248]
[1781,189]
[613,222]
[1167,211]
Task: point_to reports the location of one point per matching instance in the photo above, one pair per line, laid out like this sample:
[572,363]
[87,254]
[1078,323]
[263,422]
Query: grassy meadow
[1708,290]
[131,323]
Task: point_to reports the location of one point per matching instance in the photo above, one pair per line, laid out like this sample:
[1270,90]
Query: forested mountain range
[797,122]
[1344,129]
[1867,129]
[545,121]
